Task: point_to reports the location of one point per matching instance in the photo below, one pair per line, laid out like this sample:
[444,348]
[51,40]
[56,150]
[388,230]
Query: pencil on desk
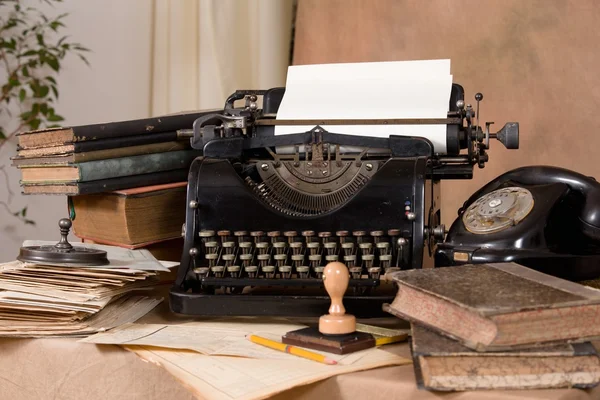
[297,351]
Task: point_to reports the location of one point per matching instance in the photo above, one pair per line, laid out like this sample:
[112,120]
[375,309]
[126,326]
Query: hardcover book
[497,306]
[82,133]
[443,364]
[107,169]
[106,185]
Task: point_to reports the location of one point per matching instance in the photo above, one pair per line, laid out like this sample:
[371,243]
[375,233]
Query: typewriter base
[280,305]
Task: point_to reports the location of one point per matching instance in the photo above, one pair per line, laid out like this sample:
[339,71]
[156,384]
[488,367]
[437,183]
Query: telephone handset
[546,218]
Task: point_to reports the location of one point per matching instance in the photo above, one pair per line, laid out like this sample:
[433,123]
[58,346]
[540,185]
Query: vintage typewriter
[267,212]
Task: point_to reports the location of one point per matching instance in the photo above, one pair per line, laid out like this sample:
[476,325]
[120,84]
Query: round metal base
[79,256]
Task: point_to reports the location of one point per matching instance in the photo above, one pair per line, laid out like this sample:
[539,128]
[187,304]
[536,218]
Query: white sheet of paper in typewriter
[374,90]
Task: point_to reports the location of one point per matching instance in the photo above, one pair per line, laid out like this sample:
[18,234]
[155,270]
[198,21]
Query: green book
[108,169]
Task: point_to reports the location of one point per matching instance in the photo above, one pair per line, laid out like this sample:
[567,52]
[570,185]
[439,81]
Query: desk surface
[66,370]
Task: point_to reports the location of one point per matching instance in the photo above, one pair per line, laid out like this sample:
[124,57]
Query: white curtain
[203,50]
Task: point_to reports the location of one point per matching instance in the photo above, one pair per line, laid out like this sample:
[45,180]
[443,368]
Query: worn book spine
[128,128]
[70,158]
[444,365]
[135,165]
[107,185]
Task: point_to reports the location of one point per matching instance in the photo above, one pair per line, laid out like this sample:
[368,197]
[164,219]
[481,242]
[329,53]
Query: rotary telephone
[545,218]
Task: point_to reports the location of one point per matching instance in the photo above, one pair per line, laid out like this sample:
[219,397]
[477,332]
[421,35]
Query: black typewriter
[267,212]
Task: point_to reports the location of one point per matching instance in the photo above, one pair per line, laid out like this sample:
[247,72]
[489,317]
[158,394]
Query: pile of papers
[215,360]
[58,300]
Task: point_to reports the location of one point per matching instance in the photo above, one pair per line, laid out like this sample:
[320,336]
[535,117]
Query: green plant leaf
[42,91]
[55,118]
[34,123]
[53,63]
[24,211]
[22,94]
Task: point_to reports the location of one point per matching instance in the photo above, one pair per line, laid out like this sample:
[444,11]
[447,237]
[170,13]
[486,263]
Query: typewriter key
[385,261]
[377,236]
[233,271]
[368,260]
[246,259]
[342,235]
[246,247]
[296,247]
[319,272]
[393,232]
[308,235]
[285,271]
[257,235]
[280,259]
[218,271]
[229,247]
[251,270]
[279,247]
[331,257]
[359,235]
[269,271]
[211,247]
[383,248]
[224,235]
[211,258]
[228,259]
[262,247]
[303,271]
[201,271]
[374,272]
[291,235]
[366,247]
[355,272]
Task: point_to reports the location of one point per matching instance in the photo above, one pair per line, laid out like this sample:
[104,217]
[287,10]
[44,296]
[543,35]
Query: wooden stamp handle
[336,279]
[337,322]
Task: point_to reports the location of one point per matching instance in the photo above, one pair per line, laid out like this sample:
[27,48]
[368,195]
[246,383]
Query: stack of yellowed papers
[216,361]
[55,300]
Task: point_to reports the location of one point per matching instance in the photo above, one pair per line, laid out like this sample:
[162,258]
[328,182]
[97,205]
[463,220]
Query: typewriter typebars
[266,212]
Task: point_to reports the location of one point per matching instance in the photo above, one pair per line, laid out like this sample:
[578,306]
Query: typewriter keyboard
[304,254]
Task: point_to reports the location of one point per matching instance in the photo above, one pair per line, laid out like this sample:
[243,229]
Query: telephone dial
[546,218]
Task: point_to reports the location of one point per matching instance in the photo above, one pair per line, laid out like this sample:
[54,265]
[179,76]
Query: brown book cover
[70,157]
[497,306]
[60,136]
[107,185]
[443,364]
[131,217]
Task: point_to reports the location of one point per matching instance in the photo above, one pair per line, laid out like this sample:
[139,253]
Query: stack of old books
[126,180]
[101,157]
[499,326]
[50,300]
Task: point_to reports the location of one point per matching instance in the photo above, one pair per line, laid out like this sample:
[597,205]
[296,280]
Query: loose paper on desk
[212,338]
[380,90]
[139,259]
[226,378]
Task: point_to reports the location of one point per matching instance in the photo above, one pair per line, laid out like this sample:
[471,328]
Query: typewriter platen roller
[267,212]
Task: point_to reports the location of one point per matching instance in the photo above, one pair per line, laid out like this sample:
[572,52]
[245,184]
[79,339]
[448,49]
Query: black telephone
[545,218]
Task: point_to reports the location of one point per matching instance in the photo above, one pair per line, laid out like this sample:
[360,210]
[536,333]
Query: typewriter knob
[460,104]
[478,96]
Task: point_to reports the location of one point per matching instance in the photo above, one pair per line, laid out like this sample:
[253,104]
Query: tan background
[535,61]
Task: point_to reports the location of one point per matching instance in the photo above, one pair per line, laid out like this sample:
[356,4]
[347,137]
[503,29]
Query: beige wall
[536,62]
[116,86]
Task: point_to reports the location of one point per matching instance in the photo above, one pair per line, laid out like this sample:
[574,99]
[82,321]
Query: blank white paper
[382,90]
